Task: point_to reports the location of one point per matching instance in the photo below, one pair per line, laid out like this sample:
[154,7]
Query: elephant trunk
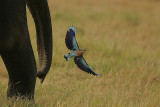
[41,15]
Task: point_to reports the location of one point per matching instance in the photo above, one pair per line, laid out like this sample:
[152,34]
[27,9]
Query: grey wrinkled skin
[15,46]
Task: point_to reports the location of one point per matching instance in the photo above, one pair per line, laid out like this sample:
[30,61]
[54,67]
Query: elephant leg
[21,66]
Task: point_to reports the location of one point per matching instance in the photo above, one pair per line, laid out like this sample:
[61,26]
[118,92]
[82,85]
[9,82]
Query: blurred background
[122,39]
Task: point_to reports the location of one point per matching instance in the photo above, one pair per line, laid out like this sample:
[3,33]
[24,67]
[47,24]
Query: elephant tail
[41,15]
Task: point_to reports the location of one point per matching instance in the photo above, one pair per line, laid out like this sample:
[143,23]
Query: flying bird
[77,53]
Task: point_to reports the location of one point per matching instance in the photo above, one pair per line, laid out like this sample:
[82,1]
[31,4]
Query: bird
[71,44]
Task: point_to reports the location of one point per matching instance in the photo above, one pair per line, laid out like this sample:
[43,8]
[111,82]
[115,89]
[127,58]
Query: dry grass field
[122,39]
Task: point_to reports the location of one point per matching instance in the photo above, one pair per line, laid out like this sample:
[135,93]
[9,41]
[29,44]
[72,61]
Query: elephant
[16,49]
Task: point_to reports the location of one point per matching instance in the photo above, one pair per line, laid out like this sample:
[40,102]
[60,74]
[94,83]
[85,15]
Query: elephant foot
[20,96]
[18,91]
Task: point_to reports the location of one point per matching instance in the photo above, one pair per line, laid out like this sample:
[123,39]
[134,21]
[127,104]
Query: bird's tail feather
[67,57]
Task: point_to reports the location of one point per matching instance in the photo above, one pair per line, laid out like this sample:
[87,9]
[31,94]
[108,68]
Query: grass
[122,39]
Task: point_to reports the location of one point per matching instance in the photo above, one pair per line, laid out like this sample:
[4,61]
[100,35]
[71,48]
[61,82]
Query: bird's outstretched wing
[82,64]
[70,39]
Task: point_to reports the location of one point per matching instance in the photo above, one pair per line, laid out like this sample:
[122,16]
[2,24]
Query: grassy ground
[122,39]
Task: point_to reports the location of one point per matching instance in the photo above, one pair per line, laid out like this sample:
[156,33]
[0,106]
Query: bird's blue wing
[70,39]
[82,64]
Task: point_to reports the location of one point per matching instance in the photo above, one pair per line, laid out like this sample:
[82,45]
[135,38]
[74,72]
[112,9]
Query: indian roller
[77,53]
